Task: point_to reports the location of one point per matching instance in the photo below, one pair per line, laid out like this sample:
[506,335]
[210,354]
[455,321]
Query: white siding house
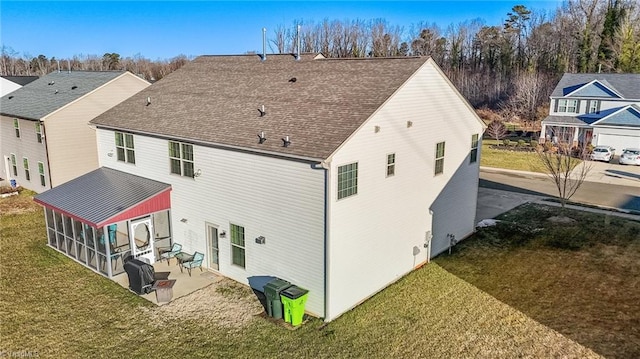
[45,125]
[341,175]
[600,109]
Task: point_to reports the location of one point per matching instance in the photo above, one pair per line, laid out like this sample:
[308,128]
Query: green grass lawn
[581,279]
[499,158]
[52,306]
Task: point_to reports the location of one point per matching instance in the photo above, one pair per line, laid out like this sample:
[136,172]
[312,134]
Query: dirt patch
[561,220]
[225,303]
[22,203]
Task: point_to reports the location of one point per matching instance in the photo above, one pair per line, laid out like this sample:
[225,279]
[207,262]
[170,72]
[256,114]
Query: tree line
[509,69]
[12,64]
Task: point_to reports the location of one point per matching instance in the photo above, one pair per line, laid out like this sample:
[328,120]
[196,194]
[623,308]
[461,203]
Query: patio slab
[184,284]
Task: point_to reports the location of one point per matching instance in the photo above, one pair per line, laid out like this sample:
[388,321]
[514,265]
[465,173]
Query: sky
[161,30]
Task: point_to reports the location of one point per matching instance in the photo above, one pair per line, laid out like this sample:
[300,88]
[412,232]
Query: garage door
[619,142]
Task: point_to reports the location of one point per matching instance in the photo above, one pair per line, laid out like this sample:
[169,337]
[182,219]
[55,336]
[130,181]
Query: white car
[630,156]
[602,153]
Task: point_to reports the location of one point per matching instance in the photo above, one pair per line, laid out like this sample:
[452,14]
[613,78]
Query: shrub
[506,142]
[534,143]
[548,146]
[521,143]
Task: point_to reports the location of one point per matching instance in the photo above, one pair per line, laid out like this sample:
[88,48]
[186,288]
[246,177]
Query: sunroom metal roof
[106,195]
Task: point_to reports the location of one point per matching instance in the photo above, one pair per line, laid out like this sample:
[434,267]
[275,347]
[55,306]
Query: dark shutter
[588,106]
[578,106]
[556,106]
[598,109]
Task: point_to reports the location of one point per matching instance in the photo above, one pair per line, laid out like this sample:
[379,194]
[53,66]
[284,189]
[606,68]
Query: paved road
[597,193]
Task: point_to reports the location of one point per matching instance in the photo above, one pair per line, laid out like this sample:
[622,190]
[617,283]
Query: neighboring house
[601,109]
[338,175]
[45,135]
[11,83]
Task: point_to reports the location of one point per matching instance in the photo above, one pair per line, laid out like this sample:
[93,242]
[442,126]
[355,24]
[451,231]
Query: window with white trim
[14,165]
[237,245]
[391,164]
[16,126]
[594,105]
[568,106]
[439,168]
[25,164]
[124,147]
[347,180]
[38,131]
[181,158]
[43,181]
[473,156]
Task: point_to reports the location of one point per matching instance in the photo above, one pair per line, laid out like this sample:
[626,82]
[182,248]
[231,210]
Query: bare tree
[497,130]
[566,166]
[530,91]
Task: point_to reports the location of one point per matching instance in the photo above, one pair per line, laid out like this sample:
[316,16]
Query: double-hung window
[124,147]
[16,126]
[568,106]
[38,132]
[347,180]
[41,172]
[439,168]
[237,245]
[181,158]
[14,165]
[391,164]
[594,106]
[27,174]
[473,156]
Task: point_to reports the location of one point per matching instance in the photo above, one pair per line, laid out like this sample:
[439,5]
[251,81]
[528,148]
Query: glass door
[214,248]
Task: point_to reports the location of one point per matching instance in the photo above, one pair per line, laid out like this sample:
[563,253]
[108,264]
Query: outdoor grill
[141,275]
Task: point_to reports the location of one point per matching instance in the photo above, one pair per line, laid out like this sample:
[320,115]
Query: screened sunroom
[104,216]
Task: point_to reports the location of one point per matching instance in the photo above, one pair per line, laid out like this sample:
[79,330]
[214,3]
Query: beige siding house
[337,175]
[46,137]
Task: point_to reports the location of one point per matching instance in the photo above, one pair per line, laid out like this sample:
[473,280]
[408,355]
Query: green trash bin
[272,291]
[294,299]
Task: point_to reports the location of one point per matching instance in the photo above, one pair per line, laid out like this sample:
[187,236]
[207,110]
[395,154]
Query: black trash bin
[141,276]
[272,292]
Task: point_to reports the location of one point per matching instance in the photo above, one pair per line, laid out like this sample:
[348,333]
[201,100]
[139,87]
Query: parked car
[630,156]
[602,153]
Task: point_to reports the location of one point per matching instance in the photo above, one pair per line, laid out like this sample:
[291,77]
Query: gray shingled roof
[563,120]
[215,99]
[627,85]
[37,99]
[100,194]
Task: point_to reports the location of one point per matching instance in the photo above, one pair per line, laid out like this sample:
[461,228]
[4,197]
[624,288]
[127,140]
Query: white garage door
[619,142]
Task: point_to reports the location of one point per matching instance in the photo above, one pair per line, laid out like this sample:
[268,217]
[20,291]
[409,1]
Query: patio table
[183,257]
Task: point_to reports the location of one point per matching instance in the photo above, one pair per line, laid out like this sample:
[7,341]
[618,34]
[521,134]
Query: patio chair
[175,249]
[195,262]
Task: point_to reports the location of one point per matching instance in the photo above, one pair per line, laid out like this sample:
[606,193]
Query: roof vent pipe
[58,61]
[69,65]
[264,43]
[262,137]
[298,45]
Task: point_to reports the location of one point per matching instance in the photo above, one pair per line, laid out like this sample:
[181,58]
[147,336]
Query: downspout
[325,166]
[46,151]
